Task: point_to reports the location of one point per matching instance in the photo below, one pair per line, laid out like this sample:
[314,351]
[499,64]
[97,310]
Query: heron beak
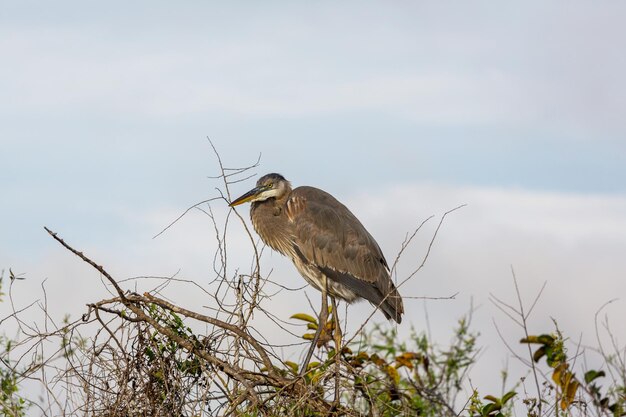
[247,196]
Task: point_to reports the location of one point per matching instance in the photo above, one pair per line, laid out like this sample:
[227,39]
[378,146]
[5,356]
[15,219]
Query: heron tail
[392,305]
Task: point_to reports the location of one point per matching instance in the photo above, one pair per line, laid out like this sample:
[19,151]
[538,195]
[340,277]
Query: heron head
[268,186]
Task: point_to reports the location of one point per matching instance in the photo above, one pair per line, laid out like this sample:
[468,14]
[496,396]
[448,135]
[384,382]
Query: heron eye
[270,185]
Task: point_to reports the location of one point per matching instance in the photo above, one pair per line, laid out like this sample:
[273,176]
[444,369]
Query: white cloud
[470,68]
[573,242]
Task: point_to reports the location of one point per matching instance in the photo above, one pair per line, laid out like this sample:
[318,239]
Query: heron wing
[329,236]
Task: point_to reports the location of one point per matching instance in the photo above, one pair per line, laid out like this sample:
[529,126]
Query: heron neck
[271,223]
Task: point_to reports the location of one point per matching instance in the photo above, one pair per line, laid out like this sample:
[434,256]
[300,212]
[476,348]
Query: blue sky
[400,109]
[523,96]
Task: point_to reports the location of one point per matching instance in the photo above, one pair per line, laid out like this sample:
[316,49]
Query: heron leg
[338,336]
[321,327]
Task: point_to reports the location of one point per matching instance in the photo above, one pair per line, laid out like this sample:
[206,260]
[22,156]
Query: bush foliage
[145,360]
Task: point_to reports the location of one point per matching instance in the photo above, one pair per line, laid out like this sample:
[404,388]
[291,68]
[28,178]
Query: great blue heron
[328,245]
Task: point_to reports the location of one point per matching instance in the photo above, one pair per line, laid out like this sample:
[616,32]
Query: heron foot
[326,334]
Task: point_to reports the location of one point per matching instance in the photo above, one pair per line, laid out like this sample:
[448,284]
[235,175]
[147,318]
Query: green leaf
[591,375]
[150,354]
[508,396]
[490,408]
[308,336]
[539,353]
[546,339]
[491,398]
[304,317]
[292,366]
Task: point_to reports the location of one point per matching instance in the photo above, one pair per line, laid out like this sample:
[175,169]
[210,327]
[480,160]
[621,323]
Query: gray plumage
[324,240]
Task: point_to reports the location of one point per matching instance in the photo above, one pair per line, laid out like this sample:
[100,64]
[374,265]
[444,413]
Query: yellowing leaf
[544,339]
[567,383]
[558,374]
[393,374]
[569,394]
[376,360]
[308,336]
[304,317]
[530,339]
[411,355]
[292,366]
[407,358]
[404,361]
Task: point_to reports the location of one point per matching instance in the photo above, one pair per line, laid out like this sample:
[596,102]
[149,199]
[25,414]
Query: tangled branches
[139,354]
[146,360]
